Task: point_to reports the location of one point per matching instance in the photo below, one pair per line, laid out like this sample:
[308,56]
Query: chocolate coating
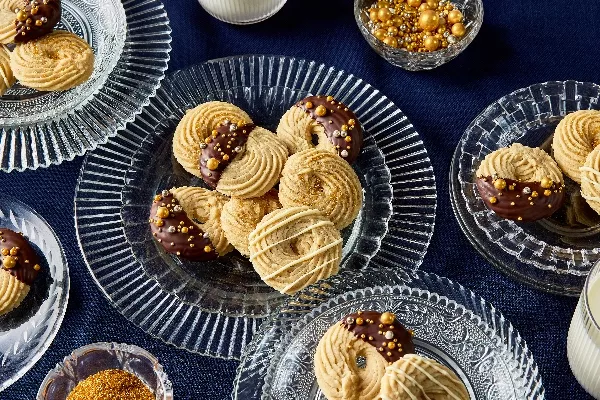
[38,18]
[14,245]
[337,115]
[401,339]
[223,147]
[514,201]
[177,233]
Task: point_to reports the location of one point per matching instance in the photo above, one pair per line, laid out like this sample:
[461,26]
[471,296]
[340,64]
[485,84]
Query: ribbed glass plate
[216,309]
[553,254]
[451,324]
[27,332]
[131,41]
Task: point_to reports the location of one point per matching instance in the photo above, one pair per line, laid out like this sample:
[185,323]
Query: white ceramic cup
[242,12]
[583,343]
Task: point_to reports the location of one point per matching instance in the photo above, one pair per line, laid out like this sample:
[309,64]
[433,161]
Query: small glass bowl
[413,61]
[93,358]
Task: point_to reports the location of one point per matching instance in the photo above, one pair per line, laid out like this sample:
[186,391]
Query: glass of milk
[242,12]
[583,344]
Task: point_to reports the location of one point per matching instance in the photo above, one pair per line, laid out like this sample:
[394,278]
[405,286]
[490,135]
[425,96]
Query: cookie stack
[279,199]
[42,58]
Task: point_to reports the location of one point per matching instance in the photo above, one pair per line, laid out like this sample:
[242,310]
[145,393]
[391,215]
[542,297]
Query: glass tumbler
[242,12]
[583,343]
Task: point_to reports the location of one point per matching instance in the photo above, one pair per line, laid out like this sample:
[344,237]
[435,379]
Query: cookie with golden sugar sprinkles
[294,247]
[20,268]
[7,79]
[590,180]
[322,180]
[576,135]
[378,338]
[196,125]
[416,377]
[58,61]
[520,183]
[326,121]
[8,15]
[240,217]
[242,160]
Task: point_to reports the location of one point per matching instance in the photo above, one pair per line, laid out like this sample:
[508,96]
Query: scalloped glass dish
[215,308]
[452,325]
[93,358]
[131,43]
[27,332]
[554,254]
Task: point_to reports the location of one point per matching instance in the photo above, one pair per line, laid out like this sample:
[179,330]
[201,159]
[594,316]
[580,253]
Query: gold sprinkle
[111,384]
[520,219]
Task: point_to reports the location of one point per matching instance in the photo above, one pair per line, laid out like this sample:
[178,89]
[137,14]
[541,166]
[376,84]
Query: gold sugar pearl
[212,164]
[5,252]
[391,41]
[9,262]
[162,212]
[500,184]
[459,30]
[14,251]
[455,16]
[207,249]
[321,111]
[37,267]
[384,14]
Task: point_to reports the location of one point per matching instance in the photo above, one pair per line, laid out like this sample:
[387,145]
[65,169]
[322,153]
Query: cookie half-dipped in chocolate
[382,331]
[176,232]
[36,19]
[20,268]
[521,201]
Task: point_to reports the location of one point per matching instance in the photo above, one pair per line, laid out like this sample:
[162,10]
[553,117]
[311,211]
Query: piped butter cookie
[20,268]
[8,16]
[590,179]
[324,123]
[520,183]
[7,79]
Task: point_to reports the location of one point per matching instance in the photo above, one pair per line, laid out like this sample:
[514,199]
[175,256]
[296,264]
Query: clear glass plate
[131,43]
[452,325]
[27,332]
[554,254]
[215,308]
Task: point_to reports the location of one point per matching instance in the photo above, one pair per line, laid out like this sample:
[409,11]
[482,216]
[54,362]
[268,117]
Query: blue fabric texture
[520,43]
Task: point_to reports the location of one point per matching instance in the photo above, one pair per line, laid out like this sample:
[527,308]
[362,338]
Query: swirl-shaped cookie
[520,183]
[321,122]
[8,17]
[576,135]
[590,179]
[196,125]
[7,79]
[415,377]
[240,217]
[322,180]
[205,206]
[20,268]
[375,338]
[58,61]
[292,248]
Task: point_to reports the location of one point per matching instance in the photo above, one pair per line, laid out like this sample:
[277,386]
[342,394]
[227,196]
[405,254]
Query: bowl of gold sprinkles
[107,371]
[419,34]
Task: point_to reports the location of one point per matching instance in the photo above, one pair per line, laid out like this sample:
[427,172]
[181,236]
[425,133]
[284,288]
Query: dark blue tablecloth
[521,42]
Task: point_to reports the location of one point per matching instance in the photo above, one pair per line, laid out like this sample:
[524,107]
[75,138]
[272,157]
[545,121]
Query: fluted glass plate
[553,254]
[214,308]
[131,41]
[27,332]
[452,325]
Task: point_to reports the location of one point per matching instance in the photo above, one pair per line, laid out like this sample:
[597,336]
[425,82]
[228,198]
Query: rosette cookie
[322,122]
[8,15]
[292,248]
[36,19]
[205,207]
[520,183]
[242,160]
[196,125]
[574,138]
[58,61]
[20,268]
[415,377]
[351,358]
[240,217]
[322,180]
[590,179]
[176,232]
[7,79]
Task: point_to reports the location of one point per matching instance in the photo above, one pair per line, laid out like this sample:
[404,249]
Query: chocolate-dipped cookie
[324,123]
[20,268]
[176,232]
[36,19]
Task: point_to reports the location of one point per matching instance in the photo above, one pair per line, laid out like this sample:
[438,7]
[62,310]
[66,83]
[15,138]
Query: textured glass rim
[455,190]
[594,274]
[58,323]
[296,316]
[112,346]
[116,120]
[124,145]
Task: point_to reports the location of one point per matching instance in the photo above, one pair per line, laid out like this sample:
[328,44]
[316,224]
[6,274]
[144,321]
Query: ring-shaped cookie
[7,79]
